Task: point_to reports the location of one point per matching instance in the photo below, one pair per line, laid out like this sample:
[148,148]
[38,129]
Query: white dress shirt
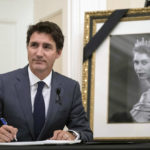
[46,89]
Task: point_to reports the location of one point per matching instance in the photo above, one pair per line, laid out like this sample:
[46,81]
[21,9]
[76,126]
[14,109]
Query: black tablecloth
[85,146]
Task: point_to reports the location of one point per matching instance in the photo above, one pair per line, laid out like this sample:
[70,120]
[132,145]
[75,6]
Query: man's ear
[59,53]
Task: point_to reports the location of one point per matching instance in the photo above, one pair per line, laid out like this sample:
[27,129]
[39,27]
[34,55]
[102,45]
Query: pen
[4,122]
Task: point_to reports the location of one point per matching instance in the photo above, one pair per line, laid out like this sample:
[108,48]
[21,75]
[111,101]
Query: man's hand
[62,135]
[7,133]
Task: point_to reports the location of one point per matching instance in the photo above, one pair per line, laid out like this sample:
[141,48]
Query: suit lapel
[23,91]
[53,105]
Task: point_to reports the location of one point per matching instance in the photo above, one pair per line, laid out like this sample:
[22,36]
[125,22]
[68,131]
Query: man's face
[142,65]
[42,53]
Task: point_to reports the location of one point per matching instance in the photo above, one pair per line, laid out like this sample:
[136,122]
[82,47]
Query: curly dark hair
[48,28]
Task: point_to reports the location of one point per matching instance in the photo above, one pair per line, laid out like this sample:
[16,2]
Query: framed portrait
[111,88]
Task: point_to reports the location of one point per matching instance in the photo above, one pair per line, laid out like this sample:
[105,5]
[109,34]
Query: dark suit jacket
[15,106]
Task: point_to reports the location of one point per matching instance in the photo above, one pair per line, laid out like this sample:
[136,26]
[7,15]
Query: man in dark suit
[38,102]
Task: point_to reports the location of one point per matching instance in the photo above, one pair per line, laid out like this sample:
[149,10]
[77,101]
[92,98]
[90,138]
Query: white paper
[45,142]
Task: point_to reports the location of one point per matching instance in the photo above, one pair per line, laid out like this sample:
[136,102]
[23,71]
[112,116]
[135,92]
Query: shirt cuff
[76,134]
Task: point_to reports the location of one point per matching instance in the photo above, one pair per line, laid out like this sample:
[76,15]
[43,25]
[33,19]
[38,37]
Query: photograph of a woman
[141,59]
[129,79]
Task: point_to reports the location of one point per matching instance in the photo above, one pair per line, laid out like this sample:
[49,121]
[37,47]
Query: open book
[45,142]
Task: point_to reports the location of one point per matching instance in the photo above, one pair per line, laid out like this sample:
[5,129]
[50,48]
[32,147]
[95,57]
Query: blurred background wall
[17,15]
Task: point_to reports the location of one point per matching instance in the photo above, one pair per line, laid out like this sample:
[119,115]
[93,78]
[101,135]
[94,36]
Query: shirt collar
[34,79]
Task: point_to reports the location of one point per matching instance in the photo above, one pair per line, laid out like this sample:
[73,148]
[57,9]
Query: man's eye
[47,46]
[34,44]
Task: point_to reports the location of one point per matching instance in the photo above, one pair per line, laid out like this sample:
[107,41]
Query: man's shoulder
[13,73]
[64,78]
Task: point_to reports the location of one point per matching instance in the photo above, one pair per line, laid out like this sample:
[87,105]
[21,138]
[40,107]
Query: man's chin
[38,68]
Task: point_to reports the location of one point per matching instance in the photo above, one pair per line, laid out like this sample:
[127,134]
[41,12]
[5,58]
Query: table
[84,146]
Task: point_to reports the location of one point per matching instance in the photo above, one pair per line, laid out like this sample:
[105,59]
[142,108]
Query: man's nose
[40,51]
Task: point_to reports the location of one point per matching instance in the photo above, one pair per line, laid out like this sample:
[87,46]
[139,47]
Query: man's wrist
[76,134]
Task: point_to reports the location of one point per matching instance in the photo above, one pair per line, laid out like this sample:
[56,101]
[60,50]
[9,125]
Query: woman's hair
[142,46]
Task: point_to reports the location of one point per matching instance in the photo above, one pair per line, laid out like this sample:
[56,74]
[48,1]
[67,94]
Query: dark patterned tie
[39,109]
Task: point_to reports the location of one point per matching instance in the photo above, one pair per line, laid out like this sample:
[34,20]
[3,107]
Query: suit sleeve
[1,103]
[78,120]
